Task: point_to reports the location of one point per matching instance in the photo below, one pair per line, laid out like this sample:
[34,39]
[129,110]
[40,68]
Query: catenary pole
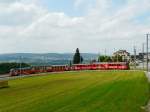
[134,57]
[143,55]
[147,52]
[20,64]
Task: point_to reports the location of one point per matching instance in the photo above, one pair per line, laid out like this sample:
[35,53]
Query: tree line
[5,67]
[117,58]
[77,59]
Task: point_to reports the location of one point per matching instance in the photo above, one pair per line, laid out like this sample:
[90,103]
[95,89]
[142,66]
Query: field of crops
[89,91]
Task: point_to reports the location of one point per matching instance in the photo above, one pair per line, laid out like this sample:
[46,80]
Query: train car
[30,70]
[102,66]
[113,66]
[60,68]
[81,67]
[13,72]
[48,68]
[19,71]
[75,67]
[95,66]
[39,69]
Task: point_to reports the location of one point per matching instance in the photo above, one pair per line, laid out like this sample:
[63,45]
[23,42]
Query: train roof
[58,65]
[104,63]
[21,68]
[43,66]
[110,63]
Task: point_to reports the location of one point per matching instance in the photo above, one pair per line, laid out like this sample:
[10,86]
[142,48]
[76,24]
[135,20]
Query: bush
[104,59]
[3,84]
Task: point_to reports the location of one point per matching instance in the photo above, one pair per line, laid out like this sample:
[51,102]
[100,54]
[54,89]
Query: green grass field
[89,91]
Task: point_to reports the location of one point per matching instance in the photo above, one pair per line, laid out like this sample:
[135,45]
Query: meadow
[87,91]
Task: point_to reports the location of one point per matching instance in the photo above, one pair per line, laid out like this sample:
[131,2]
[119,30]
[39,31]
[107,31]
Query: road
[147,108]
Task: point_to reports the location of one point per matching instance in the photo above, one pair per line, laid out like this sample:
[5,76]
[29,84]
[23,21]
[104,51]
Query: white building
[123,53]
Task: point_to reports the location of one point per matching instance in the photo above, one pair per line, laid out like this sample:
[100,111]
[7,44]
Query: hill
[42,59]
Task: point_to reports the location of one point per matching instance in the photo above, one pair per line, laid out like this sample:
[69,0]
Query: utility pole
[134,57]
[99,56]
[70,63]
[147,35]
[44,63]
[143,54]
[117,57]
[105,51]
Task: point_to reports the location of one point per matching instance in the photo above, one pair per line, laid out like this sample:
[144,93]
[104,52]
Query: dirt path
[148,75]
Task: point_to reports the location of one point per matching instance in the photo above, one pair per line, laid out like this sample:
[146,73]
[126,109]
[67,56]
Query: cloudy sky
[44,26]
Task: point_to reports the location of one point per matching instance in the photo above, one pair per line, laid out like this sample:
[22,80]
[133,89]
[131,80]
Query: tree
[77,58]
[101,58]
[104,59]
[81,59]
[117,58]
[108,59]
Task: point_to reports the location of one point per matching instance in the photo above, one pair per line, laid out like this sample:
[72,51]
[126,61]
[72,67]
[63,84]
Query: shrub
[3,84]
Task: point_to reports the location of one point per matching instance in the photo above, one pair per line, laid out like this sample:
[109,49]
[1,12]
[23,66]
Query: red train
[75,67]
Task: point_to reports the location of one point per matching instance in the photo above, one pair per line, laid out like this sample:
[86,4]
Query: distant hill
[44,59]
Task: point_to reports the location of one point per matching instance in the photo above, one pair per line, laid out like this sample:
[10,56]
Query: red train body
[75,67]
[102,66]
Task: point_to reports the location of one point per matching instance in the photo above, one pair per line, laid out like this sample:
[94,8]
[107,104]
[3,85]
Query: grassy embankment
[122,91]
